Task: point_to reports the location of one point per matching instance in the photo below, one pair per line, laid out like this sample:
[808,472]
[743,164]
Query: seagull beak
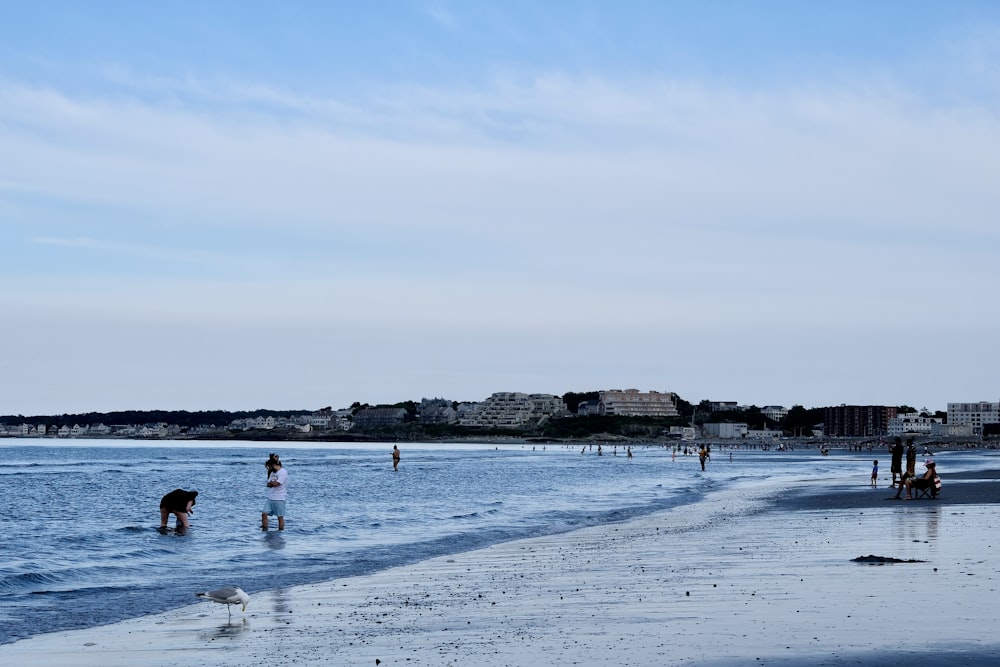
[244,606]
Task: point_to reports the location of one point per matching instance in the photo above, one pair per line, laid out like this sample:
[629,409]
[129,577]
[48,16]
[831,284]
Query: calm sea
[80,545]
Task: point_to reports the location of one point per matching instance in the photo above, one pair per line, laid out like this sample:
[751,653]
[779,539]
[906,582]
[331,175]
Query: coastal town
[628,413]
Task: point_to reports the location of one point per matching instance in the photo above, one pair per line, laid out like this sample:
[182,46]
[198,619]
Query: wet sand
[743,578]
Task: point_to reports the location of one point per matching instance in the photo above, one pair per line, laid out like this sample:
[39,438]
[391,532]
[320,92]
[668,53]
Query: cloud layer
[212,242]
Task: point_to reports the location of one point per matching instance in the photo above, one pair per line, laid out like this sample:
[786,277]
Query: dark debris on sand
[871,559]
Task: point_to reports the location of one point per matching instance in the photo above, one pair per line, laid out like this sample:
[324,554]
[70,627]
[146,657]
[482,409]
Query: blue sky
[292,205]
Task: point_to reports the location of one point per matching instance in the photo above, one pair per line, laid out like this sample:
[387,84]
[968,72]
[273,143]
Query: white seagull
[228,596]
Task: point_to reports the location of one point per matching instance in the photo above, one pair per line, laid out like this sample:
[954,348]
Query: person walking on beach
[395,458]
[277,494]
[896,462]
[875,473]
[180,503]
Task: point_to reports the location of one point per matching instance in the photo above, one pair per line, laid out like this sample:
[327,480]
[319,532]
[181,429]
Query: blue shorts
[275,508]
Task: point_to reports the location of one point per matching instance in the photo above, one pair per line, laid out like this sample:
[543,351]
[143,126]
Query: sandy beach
[743,578]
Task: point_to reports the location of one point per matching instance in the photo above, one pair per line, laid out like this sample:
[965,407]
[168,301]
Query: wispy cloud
[537,215]
[585,150]
[441,15]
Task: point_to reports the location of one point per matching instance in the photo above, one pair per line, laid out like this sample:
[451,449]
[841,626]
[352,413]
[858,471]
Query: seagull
[228,596]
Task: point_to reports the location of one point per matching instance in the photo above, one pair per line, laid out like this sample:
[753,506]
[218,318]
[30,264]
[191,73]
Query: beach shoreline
[742,577]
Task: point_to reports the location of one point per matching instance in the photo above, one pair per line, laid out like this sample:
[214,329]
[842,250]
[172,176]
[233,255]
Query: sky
[246,205]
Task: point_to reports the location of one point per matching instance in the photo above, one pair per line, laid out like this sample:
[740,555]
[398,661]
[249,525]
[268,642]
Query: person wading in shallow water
[395,458]
[277,494]
[180,503]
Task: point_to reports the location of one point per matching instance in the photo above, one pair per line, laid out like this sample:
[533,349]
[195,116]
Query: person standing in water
[395,458]
[180,503]
[277,494]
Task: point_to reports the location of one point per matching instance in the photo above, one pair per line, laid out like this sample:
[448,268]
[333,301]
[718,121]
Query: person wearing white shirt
[277,494]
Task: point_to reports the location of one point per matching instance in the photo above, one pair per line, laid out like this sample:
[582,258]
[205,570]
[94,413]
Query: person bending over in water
[180,503]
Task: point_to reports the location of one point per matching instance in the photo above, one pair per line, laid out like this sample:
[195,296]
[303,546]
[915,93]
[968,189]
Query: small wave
[86,591]
[134,529]
[27,580]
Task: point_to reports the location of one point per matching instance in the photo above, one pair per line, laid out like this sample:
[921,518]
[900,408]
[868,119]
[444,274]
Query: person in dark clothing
[911,458]
[180,503]
[896,464]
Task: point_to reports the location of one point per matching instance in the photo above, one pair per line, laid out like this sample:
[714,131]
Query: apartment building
[857,421]
[378,417]
[512,409]
[634,403]
[911,424]
[774,412]
[725,431]
[974,415]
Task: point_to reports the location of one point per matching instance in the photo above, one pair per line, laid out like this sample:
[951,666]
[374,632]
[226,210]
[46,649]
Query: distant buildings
[855,421]
[974,415]
[725,431]
[634,403]
[511,409]
[516,410]
[436,411]
[911,423]
[775,413]
[379,417]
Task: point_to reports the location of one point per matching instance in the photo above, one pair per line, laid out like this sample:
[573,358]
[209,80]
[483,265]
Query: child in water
[874,473]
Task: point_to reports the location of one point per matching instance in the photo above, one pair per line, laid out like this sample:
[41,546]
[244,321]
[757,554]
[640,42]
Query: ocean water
[80,544]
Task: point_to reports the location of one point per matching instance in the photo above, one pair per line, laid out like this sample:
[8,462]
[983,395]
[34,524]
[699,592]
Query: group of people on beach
[181,503]
[907,479]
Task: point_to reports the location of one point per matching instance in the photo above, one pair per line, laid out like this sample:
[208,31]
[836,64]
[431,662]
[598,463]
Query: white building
[154,430]
[974,414]
[763,433]
[725,431]
[952,430]
[261,422]
[511,409]
[774,412]
[911,423]
[634,403]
